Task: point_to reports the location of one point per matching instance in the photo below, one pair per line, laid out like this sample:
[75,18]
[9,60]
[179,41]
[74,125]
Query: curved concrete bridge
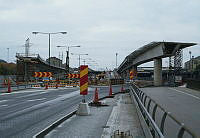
[153,51]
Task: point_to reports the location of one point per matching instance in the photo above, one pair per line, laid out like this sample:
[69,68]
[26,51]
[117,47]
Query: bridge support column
[158,72]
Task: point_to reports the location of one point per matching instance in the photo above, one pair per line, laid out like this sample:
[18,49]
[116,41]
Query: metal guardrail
[144,107]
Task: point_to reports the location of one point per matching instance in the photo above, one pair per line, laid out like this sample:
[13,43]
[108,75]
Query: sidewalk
[120,114]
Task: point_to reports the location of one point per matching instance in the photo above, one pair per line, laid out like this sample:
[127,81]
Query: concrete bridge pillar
[158,72]
[124,74]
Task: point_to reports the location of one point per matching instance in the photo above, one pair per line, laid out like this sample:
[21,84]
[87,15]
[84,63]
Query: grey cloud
[102,27]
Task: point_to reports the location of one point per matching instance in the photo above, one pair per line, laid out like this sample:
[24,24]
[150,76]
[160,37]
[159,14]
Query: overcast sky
[102,27]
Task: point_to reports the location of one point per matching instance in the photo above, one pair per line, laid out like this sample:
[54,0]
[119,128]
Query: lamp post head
[34,32]
[63,32]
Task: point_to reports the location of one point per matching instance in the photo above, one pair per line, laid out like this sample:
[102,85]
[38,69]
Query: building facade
[192,64]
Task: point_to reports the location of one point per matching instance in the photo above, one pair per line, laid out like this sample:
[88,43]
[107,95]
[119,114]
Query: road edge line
[185,93]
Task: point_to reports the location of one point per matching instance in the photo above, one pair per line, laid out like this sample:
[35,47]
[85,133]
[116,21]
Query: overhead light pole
[8,54]
[116,59]
[79,57]
[49,34]
[67,57]
[84,60]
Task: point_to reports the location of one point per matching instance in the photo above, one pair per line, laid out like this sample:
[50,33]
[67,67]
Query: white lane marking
[185,93]
[3,101]
[36,99]
[41,92]
[34,90]
[3,105]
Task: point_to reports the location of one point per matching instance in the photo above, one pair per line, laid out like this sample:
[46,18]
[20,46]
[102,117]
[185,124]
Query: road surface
[25,113]
[183,103]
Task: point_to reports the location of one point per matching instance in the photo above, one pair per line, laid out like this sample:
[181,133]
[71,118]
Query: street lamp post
[8,55]
[67,57]
[116,59]
[79,57]
[190,60]
[49,34]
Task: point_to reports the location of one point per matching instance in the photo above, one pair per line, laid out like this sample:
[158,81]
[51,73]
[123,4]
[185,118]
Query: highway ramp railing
[148,120]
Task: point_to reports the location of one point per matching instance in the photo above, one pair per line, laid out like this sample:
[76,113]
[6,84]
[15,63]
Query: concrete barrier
[193,84]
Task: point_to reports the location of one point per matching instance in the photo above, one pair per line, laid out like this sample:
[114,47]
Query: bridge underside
[154,51]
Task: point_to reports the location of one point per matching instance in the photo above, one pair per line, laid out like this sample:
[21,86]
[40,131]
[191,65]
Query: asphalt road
[183,103]
[25,113]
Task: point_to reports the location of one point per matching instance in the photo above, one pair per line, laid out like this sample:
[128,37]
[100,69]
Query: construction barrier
[83,79]
[56,85]
[116,81]
[42,74]
[110,90]
[73,75]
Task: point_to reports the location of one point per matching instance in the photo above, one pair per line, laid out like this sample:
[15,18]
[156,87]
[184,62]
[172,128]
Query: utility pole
[8,55]
[67,56]
[116,59]
[49,34]
[190,60]
[67,60]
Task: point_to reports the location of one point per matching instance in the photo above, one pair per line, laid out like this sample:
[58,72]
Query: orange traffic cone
[96,96]
[122,88]
[46,86]
[9,87]
[110,91]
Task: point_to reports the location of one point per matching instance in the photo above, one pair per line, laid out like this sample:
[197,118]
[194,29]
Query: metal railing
[144,106]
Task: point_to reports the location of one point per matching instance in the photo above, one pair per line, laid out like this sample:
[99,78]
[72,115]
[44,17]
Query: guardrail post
[154,112]
[142,97]
[148,106]
[145,98]
[181,132]
[163,122]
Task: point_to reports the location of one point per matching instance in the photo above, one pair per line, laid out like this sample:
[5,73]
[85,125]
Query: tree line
[8,68]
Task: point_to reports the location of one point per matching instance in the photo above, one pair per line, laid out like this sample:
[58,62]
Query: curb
[54,125]
[48,129]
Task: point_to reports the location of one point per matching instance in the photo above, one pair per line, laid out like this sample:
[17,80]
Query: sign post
[83,81]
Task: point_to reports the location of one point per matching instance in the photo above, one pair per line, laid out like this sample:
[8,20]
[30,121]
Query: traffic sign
[131,74]
[83,79]
[73,75]
[42,74]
